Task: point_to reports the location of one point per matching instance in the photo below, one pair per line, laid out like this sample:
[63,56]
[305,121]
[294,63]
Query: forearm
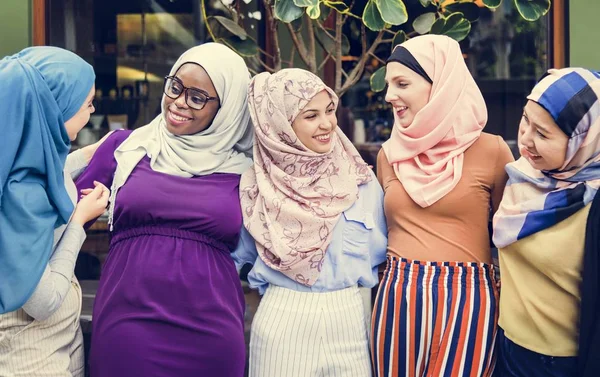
[56,279]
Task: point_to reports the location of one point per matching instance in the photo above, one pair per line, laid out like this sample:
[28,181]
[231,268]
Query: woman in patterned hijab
[315,231]
[547,231]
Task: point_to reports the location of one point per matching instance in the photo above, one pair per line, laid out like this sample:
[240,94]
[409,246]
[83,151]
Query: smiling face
[541,142]
[181,118]
[315,124]
[82,117]
[408,92]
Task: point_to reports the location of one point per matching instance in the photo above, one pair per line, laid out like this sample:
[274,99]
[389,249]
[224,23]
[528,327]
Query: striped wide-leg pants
[435,319]
[297,334]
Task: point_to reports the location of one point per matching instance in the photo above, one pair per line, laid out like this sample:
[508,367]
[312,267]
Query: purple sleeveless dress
[169,302]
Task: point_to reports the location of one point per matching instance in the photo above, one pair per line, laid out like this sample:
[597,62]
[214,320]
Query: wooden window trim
[38,20]
[559,34]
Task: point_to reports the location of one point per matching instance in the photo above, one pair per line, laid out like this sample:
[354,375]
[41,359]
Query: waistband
[141,231]
[437,272]
[289,300]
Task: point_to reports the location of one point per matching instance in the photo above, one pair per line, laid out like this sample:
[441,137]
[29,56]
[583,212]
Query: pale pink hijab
[293,197]
[427,156]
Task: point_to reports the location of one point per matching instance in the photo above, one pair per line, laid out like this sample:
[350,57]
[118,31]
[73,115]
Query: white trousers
[296,334]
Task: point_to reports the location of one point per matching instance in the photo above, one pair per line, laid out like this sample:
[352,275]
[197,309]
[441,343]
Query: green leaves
[313,12]
[328,42]
[469,10]
[392,12]
[372,18]
[306,3]
[377,80]
[231,26]
[423,23]
[532,10]
[287,11]
[399,38]
[340,6]
[378,13]
[247,47]
[231,34]
[493,4]
[456,26]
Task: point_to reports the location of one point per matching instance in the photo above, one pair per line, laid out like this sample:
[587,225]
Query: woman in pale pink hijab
[437,306]
[314,231]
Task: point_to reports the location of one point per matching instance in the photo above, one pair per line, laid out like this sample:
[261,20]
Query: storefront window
[505,54]
[132,45]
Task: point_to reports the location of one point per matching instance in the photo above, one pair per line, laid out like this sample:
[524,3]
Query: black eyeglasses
[194,98]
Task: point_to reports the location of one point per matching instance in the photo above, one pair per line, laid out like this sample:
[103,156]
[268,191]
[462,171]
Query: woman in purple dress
[170,301]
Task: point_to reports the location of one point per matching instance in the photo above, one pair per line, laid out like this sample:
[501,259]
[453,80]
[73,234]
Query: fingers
[105,194]
[98,193]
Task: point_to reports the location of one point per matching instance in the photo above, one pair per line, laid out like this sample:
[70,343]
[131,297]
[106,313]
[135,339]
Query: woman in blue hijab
[46,98]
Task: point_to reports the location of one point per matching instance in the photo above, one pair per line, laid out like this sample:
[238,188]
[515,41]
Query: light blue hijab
[42,87]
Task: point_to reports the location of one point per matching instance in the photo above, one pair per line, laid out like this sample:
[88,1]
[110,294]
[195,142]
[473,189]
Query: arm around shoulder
[385,171]
[503,157]
[246,251]
[378,235]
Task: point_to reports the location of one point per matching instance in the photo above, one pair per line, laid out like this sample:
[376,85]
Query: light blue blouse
[357,247]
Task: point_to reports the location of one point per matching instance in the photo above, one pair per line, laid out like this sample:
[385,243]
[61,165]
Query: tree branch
[266,53]
[325,30]
[311,44]
[338,51]
[203,7]
[377,57]
[272,32]
[265,66]
[356,73]
[292,52]
[299,43]
[323,62]
[344,74]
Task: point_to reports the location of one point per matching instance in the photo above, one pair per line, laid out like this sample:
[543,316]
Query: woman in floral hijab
[314,232]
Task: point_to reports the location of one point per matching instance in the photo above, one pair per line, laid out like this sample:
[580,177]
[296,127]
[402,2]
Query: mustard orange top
[455,228]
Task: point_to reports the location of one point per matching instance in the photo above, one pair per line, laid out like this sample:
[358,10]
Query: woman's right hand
[92,204]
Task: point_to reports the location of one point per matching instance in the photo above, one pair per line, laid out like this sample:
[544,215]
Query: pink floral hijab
[293,197]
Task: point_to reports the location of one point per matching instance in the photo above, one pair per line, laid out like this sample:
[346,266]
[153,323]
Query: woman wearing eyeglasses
[170,301]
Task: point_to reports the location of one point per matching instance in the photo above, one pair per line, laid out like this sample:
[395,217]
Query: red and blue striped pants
[435,319]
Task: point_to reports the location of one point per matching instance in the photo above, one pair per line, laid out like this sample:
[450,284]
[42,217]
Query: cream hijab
[224,147]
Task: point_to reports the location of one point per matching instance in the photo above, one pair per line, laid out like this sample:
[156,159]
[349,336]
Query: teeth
[177,117]
[322,137]
[402,108]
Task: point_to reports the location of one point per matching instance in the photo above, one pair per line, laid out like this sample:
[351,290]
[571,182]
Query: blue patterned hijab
[535,200]
[42,87]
